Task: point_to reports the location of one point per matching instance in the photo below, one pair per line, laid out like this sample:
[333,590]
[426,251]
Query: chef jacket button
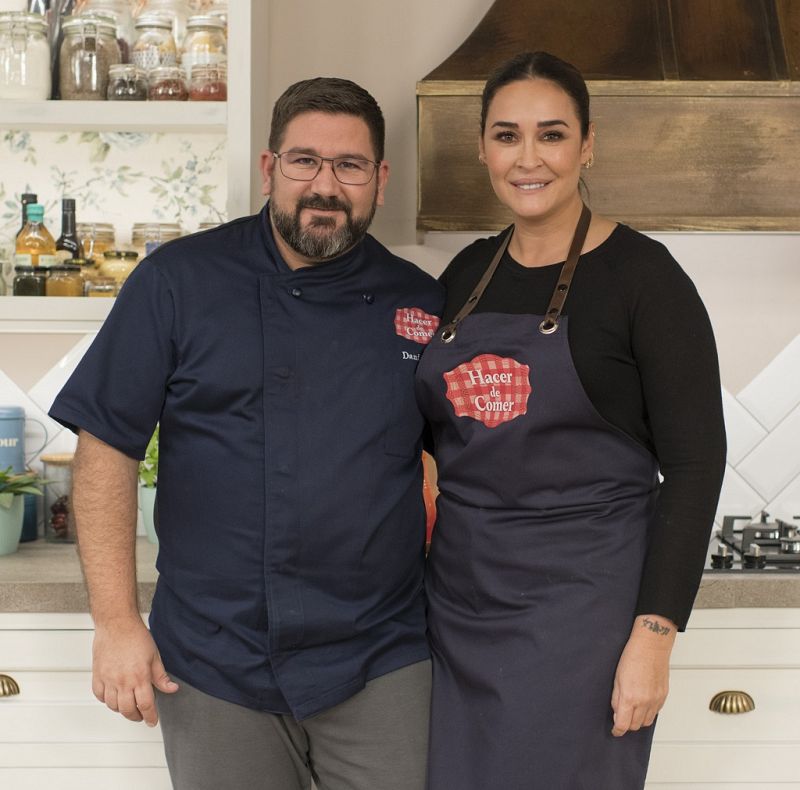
[296,292]
[283,373]
[368,298]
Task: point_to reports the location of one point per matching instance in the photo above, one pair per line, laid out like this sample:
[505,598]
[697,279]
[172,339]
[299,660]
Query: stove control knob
[754,558]
[723,559]
[788,530]
[790,545]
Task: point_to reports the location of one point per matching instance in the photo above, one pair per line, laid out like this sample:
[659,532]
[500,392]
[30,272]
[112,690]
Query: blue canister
[12,438]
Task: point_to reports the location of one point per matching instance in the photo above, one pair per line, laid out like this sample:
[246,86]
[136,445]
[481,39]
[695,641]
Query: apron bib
[536,559]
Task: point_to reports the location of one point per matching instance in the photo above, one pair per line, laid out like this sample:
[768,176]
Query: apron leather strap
[449,332]
[550,322]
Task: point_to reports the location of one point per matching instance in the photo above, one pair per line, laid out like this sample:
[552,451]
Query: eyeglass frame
[322,161]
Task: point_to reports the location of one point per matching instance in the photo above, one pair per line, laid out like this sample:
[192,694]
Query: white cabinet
[55,734]
[752,650]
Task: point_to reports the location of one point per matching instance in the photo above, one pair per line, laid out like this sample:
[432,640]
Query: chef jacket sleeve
[117,391]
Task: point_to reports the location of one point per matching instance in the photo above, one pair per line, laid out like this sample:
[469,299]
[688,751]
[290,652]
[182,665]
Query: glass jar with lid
[209,82]
[204,42]
[24,57]
[147,236]
[59,521]
[64,280]
[219,9]
[118,264]
[154,45]
[88,50]
[96,238]
[120,13]
[167,83]
[29,281]
[176,10]
[89,270]
[126,82]
[102,287]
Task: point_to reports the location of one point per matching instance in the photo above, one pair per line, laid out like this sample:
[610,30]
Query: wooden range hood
[696,103]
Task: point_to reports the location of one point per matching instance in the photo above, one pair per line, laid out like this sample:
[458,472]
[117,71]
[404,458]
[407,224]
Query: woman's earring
[481,159]
[590,161]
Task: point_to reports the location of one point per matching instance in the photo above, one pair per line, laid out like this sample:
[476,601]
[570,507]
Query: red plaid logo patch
[491,389]
[415,324]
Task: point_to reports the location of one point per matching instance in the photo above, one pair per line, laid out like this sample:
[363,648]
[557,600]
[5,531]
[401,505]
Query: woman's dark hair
[330,95]
[543,66]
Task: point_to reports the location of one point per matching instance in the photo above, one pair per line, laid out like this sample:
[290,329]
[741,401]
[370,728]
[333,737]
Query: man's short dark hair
[330,95]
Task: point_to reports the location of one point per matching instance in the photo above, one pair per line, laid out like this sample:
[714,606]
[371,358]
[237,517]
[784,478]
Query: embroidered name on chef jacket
[415,324]
[489,388]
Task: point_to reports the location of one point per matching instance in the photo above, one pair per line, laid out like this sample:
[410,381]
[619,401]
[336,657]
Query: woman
[560,568]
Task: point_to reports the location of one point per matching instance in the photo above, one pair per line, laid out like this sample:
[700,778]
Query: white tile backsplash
[738,497]
[743,430]
[775,462]
[775,391]
[45,390]
[787,504]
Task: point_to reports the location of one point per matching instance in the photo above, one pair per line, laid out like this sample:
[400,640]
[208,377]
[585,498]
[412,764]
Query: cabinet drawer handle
[8,686]
[732,702]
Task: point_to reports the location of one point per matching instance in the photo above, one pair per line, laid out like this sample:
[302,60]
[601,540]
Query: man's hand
[642,679]
[125,667]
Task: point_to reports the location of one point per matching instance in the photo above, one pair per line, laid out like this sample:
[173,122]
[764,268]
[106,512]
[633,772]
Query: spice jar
[64,280]
[120,13]
[154,44]
[147,236]
[126,82]
[176,10]
[88,271]
[118,264]
[96,238]
[89,49]
[59,521]
[24,57]
[29,281]
[209,83]
[204,42]
[167,84]
[102,286]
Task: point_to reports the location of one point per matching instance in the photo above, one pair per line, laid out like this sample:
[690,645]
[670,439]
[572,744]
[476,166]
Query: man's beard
[321,246]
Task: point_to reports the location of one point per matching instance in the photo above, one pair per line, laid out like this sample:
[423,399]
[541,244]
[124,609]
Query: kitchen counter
[46,577]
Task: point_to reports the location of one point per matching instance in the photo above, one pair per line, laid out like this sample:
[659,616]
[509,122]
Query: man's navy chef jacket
[291,519]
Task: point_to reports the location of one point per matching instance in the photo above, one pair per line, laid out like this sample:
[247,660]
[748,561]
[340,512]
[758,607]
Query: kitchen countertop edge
[43,577]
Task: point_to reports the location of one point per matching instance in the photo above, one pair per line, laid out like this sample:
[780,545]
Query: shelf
[52,314]
[116,116]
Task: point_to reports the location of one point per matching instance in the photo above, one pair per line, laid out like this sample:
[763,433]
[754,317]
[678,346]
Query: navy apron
[537,554]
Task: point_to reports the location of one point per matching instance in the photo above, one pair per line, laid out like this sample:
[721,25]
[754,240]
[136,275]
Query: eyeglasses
[351,170]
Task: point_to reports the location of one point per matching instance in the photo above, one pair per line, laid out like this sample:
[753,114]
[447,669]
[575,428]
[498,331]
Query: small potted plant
[148,479]
[12,506]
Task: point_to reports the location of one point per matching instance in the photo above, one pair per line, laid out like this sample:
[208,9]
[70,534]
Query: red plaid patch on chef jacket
[489,388]
[415,324]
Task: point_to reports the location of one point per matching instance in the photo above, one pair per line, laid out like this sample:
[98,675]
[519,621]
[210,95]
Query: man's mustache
[331,203]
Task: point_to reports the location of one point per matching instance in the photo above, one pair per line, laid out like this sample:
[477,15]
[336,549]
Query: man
[277,353]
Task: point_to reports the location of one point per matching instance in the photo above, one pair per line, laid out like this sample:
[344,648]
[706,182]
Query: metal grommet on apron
[536,558]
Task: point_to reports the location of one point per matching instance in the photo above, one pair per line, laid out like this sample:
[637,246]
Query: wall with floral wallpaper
[117,177]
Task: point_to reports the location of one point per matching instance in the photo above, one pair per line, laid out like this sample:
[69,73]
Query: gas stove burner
[761,545]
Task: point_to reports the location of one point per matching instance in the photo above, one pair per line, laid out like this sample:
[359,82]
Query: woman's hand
[642,679]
